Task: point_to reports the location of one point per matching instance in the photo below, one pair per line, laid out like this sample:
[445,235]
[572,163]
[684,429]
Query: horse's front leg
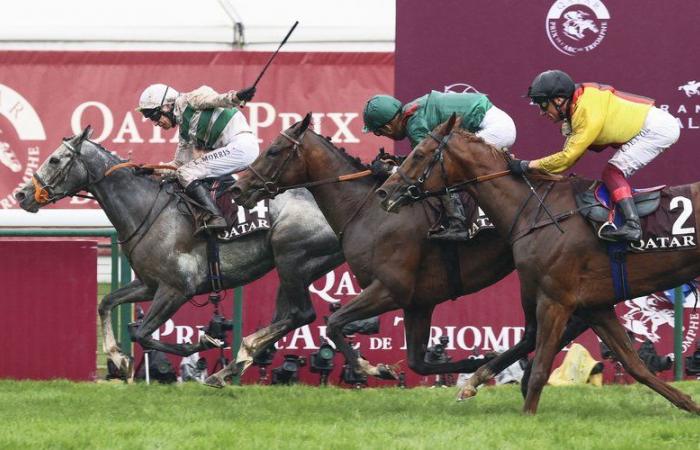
[166,302]
[374,300]
[552,318]
[133,292]
[287,317]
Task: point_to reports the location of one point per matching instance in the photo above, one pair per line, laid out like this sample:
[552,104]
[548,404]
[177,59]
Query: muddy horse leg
[605,323]
[551,320]
[375,299]
[287,317]
[132,292]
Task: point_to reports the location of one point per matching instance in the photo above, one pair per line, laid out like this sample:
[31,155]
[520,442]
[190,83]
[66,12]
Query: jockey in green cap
[386,116]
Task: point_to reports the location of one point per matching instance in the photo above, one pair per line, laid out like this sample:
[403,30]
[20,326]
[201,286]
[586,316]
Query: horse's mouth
[26,202]
[248,199]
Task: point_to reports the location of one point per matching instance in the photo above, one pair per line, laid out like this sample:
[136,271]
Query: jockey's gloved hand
[518,166]
[144,170]
[246,95]
[382,167]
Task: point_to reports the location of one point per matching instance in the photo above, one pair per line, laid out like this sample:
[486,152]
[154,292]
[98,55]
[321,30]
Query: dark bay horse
[563,272]
[171,265]
[394,263]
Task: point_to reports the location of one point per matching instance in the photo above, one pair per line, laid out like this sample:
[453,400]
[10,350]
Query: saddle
[666,213]
[241,221]
[596,205]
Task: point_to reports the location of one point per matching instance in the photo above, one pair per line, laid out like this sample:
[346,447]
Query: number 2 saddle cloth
[666,213]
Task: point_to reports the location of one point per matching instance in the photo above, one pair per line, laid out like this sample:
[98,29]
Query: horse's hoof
[215,382]
[466,393]
[385,372]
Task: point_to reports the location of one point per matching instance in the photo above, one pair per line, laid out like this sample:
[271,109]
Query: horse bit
[271,186]
[414,189]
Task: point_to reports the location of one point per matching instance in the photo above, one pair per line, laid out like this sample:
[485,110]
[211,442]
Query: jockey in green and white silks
[214,137]
[386,116]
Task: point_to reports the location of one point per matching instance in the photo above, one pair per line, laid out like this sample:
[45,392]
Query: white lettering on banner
[343,129]
[471,337]
[107,119]
[346,286]
[128,126]
[289,118]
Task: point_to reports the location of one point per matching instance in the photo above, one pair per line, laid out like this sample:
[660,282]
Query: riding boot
[213,220]
[456,229]
[631,230]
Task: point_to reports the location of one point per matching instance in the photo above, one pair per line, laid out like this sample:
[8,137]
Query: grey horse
[171,264]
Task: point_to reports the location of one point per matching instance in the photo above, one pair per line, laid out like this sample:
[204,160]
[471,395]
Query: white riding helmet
[157,95]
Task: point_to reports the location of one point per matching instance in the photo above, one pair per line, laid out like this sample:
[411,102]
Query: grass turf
[62,414]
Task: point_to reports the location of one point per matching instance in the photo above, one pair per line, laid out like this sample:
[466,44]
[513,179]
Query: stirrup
[604,227]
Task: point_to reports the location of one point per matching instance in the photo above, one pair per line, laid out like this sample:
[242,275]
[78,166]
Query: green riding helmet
[379,111]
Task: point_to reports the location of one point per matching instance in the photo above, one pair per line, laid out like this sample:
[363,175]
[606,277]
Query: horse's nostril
[381,193]
[20,196]
[236,191]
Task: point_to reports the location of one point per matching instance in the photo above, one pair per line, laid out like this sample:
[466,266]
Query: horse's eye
[273,151]
[418,156]
[54,160]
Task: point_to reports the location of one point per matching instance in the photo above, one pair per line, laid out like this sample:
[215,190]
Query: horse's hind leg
[374,300]
[605,324]
[132,292]
[551,320]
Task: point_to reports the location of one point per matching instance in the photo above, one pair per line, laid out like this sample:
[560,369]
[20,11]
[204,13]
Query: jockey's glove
[246,95]
[518,166]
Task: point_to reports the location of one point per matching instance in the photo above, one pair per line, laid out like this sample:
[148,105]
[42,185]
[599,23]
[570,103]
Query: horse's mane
[354,160]
[497,153]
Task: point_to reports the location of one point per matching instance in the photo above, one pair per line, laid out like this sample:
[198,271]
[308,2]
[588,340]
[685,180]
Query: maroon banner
[498,47]
[48,309]
[45,96]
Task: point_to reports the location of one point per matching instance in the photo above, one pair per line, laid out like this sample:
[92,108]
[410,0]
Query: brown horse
[562,270]
[395,264]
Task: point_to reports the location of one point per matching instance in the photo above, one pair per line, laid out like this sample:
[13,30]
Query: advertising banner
[498,47]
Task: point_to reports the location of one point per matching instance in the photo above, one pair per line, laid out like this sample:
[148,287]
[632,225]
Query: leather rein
[272,187]
[414,188]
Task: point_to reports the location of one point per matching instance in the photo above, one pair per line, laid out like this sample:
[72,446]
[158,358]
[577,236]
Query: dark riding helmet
[551,84]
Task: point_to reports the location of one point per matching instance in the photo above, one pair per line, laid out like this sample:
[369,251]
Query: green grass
[85,415]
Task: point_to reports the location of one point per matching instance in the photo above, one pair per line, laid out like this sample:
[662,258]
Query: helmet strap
[563,115]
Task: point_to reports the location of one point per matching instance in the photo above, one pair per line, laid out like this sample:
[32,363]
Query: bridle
[45,192]
[270,186]
[414,189]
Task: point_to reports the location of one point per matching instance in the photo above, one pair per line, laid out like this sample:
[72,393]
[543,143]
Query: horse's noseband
[414,189]
[45,192]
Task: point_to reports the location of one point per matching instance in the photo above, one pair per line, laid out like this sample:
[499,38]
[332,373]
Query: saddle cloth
[666,212]
[241,221]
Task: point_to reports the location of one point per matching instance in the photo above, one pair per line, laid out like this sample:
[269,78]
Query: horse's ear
[85,134]
[451,123]
[304,124]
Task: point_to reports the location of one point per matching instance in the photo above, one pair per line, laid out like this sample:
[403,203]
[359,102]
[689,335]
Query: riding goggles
[152,114]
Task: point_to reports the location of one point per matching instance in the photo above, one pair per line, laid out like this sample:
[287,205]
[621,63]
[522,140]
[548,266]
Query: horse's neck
[339,202]
[126,199]
[500,198]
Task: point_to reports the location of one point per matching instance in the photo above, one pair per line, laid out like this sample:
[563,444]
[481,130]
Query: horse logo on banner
[690,88]
[575,27]
[20,129]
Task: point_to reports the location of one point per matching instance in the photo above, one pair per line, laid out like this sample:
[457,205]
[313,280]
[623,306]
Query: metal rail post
[678,300]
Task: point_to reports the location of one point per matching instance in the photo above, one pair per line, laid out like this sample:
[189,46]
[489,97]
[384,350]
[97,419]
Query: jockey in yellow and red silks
[596,116]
